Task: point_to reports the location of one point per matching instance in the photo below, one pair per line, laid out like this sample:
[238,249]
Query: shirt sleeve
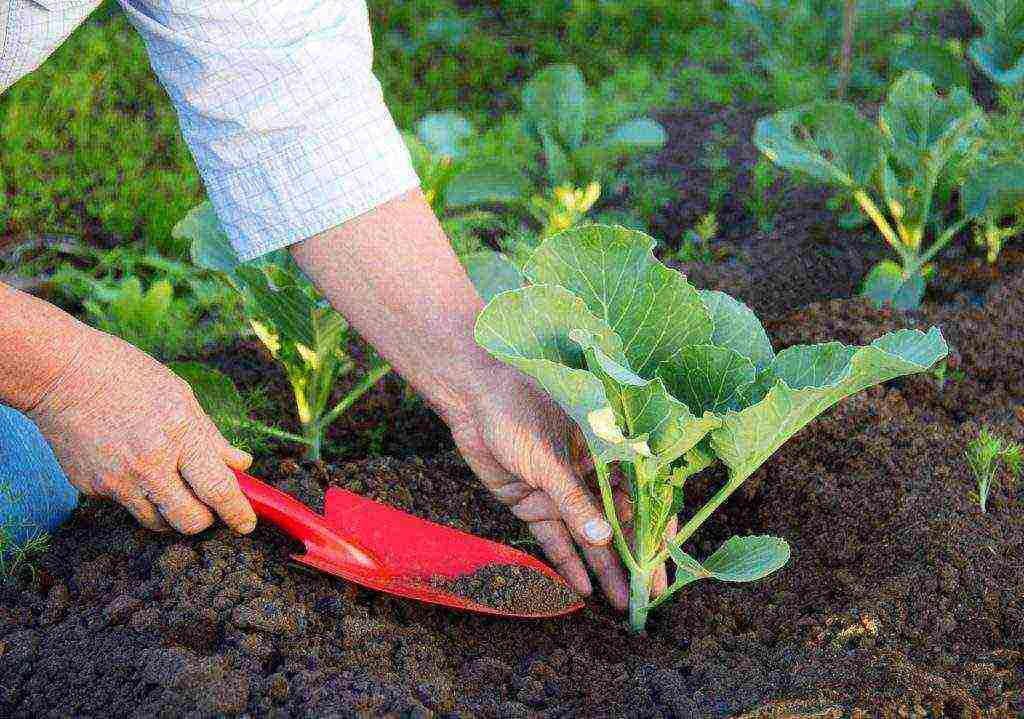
[279,105]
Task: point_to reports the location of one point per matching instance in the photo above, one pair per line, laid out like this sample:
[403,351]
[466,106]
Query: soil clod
[511,588]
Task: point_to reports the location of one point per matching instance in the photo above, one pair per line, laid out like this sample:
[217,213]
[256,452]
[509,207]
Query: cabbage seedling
[299,328]
[666,381]
[897,173]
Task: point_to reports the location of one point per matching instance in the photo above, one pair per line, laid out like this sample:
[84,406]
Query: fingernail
[597,530]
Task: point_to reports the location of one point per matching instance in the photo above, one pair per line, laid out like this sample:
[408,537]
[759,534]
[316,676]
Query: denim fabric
[35,495]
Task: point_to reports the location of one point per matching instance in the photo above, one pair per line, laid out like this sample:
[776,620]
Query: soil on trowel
[511,588]
[902,599]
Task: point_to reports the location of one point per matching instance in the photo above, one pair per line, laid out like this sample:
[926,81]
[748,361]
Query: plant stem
[872,211]
[608,502]
[313,432]
[704,512]
[639,599]
[276,433]
[369,380]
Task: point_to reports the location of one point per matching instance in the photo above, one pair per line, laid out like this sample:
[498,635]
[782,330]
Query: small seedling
[667,381]
[297,326]
[762,202]
[989,452]
[696,245]
[719,167]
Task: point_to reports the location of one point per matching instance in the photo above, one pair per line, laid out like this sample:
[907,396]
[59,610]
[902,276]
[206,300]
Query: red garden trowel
[382,548]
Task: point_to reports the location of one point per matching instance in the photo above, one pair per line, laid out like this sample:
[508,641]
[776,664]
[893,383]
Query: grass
[15,559]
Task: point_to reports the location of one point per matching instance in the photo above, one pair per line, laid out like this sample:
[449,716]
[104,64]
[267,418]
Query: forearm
[37,344]
[393,275]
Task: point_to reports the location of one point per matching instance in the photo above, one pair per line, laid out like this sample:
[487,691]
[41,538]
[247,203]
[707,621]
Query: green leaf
[997,15]
[886,284]
[491,273]
[215,391]
[644,408]
[936,59]
[156,303]
[613,270]
[640,134]
[828,141]
[444,133]
[994,191]
[747,559]
[737,327]
[288,309]
[1000,59]
[810,379]
[556,100]
[209,246]
[490,183]
[926,129]
[708,378]
[529,329]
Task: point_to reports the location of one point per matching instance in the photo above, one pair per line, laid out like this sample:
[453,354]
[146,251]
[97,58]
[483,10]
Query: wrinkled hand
[532,457]
[124,427]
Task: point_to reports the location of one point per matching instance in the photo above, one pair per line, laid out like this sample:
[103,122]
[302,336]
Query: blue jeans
[35,495]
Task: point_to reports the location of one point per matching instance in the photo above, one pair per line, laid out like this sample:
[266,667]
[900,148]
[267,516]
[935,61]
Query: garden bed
[902,598]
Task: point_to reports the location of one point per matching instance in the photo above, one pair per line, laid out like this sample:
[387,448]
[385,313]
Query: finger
[659,582]
[577,507]
[215,485]
[178,505]
[541,516]
[558,547]
[610,574]
[233,457]
[144,511]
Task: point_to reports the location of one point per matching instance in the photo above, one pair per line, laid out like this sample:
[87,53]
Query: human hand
[532,457]
[124,427]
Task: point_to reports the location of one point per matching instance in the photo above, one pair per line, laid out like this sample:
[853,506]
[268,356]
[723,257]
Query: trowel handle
[303,524]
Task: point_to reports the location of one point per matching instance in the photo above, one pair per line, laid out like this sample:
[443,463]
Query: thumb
[579,511]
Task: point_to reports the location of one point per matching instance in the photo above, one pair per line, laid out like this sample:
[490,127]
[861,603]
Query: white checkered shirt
[276,98]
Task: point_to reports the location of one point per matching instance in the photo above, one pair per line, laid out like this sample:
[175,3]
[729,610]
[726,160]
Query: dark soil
[902,599]
[511,588]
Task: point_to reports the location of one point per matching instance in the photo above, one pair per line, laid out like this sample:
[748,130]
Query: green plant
[164,307]
[994,195]
[762,201]
[696,245]
[559,114]
[299,328]
[566,207]
[667,381]
[229,409]
[897,173]
[985,454]
[715,160]
[804,54]
[999,52]
[15,559]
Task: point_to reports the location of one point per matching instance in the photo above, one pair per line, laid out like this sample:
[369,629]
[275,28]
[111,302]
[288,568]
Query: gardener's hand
[124,427]
[393,274]
[529,454]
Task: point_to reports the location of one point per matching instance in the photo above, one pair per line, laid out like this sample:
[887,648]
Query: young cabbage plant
[898,173]
[999,52]
[666,381]
[558,110]
[298,327]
